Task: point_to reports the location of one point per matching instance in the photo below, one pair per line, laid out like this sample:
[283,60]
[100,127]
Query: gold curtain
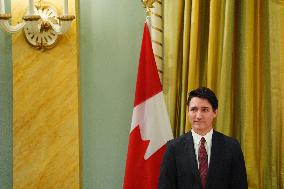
[236,48]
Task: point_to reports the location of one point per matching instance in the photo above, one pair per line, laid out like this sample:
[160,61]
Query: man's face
[201,115]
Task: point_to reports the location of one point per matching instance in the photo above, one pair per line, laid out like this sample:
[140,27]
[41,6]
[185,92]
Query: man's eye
[205,110]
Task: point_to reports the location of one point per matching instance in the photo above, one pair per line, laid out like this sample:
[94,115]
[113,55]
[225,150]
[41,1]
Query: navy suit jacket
[179,169]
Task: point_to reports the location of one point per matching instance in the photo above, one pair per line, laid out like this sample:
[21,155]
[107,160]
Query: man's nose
[198,115]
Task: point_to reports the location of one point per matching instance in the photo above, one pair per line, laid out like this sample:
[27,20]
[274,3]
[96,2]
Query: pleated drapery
[236,48]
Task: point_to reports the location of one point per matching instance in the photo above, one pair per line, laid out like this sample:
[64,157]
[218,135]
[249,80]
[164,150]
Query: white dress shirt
[208,144]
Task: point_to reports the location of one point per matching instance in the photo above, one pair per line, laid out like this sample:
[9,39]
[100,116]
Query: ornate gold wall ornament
[31,18]
[66,17]
[5,16]
[41,25]
[43,36]
[148,4]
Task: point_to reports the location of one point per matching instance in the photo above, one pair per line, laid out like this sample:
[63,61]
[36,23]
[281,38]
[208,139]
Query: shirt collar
[197,137]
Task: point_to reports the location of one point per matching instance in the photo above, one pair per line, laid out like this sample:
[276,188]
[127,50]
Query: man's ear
[216,112]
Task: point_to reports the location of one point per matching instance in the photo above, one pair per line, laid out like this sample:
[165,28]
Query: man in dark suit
[203,158]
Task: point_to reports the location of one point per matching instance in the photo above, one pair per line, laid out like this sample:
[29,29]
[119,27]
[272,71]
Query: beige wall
[110,41]
[45,110]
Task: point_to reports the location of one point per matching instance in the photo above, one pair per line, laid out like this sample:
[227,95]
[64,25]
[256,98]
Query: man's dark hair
[204,93]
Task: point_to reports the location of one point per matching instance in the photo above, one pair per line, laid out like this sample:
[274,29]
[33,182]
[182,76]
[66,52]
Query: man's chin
[198,126]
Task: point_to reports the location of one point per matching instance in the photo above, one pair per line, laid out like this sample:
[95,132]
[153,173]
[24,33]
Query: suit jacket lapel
[191,154]
[216,149]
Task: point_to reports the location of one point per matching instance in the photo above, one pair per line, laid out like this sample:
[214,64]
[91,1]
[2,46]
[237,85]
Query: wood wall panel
[45,110]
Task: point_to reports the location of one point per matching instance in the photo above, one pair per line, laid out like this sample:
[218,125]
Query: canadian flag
[150,127]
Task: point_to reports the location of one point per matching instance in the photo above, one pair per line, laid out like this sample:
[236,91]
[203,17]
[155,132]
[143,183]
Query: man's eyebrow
[198,107]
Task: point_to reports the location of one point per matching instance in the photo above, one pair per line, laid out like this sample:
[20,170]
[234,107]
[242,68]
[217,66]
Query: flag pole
[148,4]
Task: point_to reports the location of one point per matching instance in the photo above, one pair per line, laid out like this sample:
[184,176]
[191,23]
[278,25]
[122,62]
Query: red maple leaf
[141,173]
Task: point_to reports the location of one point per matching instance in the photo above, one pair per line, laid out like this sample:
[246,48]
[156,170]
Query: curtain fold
[235,48]
[173,36]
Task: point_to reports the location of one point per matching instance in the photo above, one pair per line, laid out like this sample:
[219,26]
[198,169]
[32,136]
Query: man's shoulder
[225,138]
[180,139]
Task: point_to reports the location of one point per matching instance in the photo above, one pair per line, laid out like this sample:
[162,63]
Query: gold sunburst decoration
[148,4]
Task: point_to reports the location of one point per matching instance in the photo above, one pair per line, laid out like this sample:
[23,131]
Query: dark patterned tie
[203,162]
